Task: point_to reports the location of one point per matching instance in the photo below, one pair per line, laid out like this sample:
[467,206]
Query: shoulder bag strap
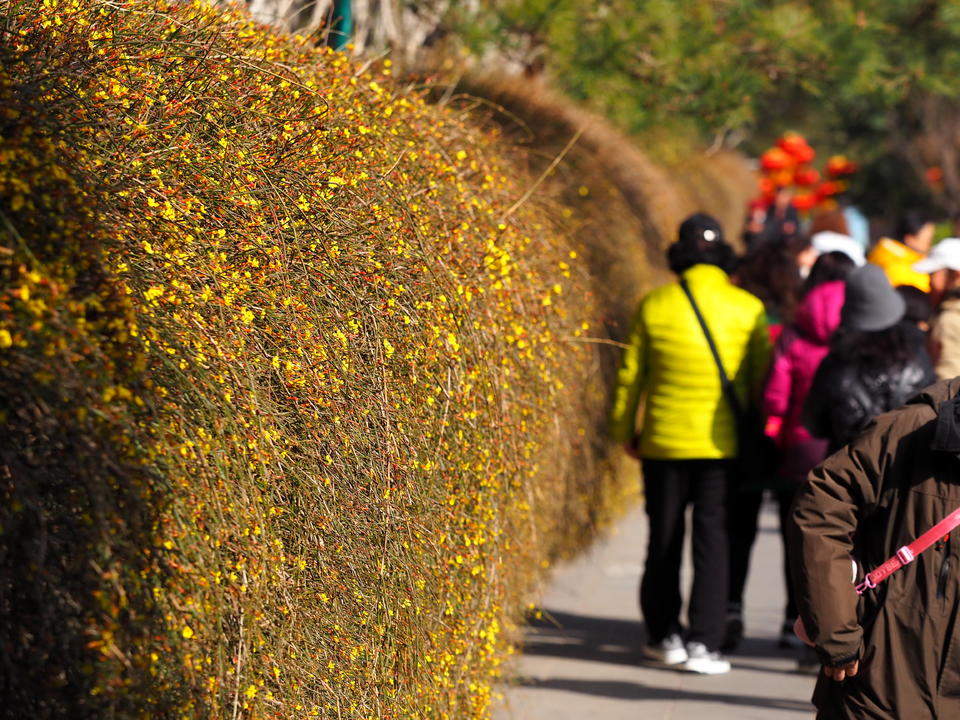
[908,553]
[729,390]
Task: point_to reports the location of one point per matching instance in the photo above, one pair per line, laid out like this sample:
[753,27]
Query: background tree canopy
[873,78]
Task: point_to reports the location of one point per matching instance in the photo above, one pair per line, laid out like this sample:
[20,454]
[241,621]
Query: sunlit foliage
[293,395]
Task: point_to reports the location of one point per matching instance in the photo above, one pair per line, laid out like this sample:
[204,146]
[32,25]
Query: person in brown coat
[894,652]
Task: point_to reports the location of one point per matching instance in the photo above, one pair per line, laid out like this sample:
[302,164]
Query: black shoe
[734,630]
[788,638]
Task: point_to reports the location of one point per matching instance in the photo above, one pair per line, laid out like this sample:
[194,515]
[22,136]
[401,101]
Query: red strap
[908,553]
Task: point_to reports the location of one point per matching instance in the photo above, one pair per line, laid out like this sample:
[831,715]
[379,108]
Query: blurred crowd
[750,370]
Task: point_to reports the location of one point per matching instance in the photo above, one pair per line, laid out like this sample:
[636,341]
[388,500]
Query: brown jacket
[881,492]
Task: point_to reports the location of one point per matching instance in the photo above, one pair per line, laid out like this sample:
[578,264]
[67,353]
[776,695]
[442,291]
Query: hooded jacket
[881,492]
[798,354]
[668,361]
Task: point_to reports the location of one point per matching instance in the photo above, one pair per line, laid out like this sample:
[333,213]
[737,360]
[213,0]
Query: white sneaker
[669,651]
[702,661]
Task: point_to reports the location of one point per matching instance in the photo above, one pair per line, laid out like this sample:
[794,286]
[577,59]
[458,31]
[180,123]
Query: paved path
[580,661]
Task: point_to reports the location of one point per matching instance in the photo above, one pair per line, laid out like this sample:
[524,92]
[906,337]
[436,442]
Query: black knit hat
[700,242]
[700,228]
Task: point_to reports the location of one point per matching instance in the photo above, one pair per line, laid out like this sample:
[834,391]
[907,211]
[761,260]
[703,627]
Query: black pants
[743,513]
[669,486]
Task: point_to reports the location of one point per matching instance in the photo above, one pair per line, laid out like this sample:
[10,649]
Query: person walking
[874,364]
[890,651]
[745,501]
[796,358]
[688,437]
[897,258]
[943,267]
[776,223]
[772,274]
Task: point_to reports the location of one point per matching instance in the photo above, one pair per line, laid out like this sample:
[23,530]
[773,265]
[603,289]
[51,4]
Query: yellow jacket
[669,361]
[897,261]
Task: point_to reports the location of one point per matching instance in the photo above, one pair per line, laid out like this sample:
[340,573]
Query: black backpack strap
[729,390]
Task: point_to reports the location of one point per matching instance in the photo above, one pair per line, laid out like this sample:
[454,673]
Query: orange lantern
[776,159]
[806,177]
[805,201]
[840,166]
[830,188]
[795,145]
[782,178]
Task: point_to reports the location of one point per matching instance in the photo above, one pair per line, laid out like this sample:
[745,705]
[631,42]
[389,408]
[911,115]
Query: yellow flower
[5,339]
[187,632]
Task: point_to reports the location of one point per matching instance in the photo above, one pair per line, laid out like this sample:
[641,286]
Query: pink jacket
[796,358]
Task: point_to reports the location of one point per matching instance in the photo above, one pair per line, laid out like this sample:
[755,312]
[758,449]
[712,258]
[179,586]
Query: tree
[874,78]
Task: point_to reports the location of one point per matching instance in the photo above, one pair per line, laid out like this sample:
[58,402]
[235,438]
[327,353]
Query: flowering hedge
[292,388]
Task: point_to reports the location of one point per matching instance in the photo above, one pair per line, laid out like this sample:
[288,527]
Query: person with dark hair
[874,364]
[797,354]
[775,223]
[796,358]
[688,436]
[897,257]
[770,273]
[700,242]
[829,267]
[918,307]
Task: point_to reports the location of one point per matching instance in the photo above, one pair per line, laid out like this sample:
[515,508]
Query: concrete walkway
[581,662]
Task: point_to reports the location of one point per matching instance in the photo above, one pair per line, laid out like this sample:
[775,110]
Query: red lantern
[840,166]
[830,188]
[805,154]
[782,178]
[806,177]
[795,145]
[776,159]
[790,141]
[804,202]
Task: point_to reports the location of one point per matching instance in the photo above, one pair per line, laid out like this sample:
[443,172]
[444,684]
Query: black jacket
[848,391]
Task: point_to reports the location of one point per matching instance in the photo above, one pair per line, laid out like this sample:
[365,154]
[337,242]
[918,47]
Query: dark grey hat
[871,303]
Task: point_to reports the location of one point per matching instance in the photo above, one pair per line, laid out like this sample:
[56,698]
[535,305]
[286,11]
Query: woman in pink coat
[798,354]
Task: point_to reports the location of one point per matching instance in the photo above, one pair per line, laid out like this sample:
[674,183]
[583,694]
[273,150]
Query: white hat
[945,254]
[829,241]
